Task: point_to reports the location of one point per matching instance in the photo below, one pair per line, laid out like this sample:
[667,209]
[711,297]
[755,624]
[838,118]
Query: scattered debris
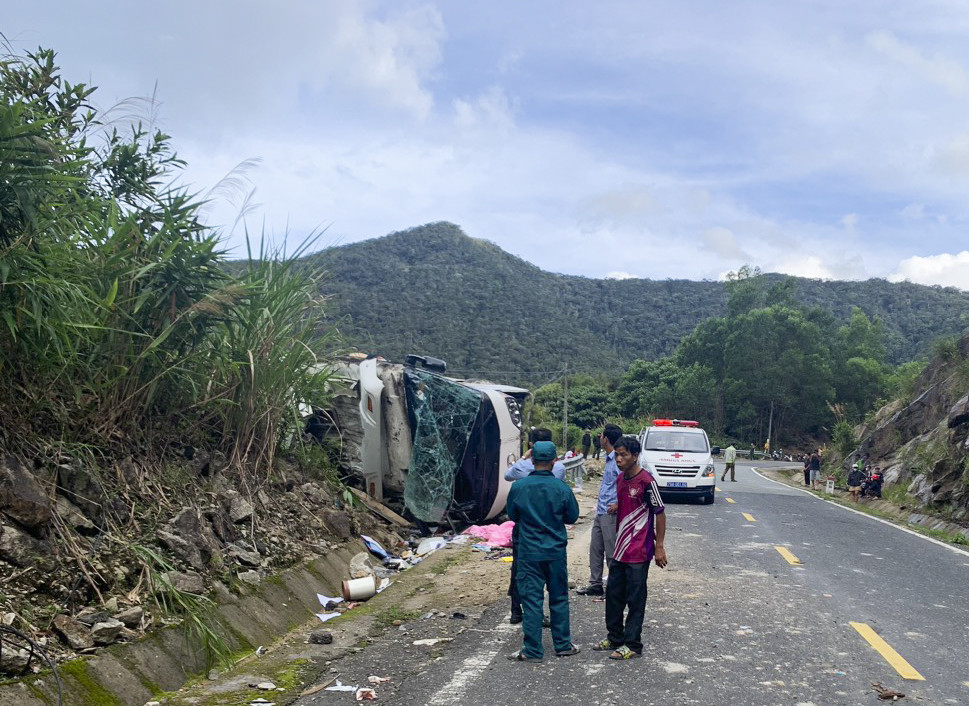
[493,535]
[359,589]
[377,680]
[366,694]
[457,615]
[886,694]
[327,616]
[264,686]
[430,544]
[340,686]
[316,689]
[432,641]
[380,509]
[328,602]
[374,546]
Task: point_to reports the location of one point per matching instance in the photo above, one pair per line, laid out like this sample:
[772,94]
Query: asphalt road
[730,621]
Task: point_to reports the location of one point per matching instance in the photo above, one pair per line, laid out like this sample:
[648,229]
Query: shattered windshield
[674,440]
[442,417]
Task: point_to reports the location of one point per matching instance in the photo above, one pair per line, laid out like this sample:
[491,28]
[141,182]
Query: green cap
[544,451]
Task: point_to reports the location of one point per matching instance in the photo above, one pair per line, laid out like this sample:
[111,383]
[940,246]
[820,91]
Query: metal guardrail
[575,471]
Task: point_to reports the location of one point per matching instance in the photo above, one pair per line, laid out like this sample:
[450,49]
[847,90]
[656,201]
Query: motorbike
[871,486]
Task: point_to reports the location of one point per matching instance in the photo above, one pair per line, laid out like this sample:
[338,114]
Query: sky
[658,139]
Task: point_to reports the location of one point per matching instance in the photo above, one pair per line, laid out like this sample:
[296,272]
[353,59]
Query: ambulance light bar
[675,423]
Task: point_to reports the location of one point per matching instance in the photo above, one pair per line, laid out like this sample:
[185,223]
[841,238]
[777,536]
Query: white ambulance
[678,455]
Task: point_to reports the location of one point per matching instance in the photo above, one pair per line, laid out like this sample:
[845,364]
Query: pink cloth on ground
[493,535]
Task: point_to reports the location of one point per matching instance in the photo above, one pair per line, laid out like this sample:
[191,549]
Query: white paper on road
[326,616]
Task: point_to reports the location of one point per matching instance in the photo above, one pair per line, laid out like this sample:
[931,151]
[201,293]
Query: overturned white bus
[435,446]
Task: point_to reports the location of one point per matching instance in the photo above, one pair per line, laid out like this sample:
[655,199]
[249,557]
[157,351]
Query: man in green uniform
[541,505]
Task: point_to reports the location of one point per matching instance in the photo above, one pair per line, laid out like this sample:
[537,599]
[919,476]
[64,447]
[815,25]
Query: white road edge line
[453,691]
[865,514]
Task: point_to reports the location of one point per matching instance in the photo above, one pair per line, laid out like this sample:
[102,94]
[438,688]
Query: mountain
[434,290]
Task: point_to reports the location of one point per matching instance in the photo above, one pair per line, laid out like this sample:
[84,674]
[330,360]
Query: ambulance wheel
[710,497]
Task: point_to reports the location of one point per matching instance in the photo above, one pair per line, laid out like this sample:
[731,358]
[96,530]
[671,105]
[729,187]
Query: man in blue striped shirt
[603,540]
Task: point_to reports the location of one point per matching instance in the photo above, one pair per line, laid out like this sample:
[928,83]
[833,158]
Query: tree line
[770,364]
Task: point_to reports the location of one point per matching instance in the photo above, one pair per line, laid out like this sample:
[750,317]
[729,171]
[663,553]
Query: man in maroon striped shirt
[640,539]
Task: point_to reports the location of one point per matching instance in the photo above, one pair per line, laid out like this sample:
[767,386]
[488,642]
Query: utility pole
[565,409]
[770,424]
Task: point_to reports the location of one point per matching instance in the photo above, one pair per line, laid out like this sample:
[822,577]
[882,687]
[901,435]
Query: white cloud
[619,275]
[944,269]
[674,141]
[913,212]
[938,69]
[723,243]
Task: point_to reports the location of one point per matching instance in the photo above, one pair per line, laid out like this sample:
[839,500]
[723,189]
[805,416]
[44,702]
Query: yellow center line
[748,517]
[905,670]
[786,553]
[731,500]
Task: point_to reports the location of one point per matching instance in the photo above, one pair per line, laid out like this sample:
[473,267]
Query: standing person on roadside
[807,469]
[640,540]
[541,506]
[597,445]
[522,468]
[603,538]
[816,470]
[855,479]
[586,443]
[730,461]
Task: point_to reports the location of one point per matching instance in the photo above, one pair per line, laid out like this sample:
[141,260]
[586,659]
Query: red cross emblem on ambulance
[677,455]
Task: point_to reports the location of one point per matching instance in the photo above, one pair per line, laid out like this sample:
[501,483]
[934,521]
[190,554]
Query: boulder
[187,582]
[190,537]
[243,556]
[83,488]
[19,548]
[239,509]
[250,577]
[959,414]
[22,497]
[131,617]
[77,636]
[107,632]
[72,515]
[338,522]
[14,661]
[90,616]
[360,566]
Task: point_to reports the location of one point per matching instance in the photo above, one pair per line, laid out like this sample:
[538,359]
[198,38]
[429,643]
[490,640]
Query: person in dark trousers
[522,469]
[640,539]
[541,506]
[597,445]
[816,470]
[586,443]
[807,470]
[603,537]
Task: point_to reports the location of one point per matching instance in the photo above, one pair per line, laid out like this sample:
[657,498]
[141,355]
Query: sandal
[568,653]
[604,646]
[521,657]
[624,653]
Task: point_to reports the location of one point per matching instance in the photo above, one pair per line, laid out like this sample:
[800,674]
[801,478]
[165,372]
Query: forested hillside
[434,290]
